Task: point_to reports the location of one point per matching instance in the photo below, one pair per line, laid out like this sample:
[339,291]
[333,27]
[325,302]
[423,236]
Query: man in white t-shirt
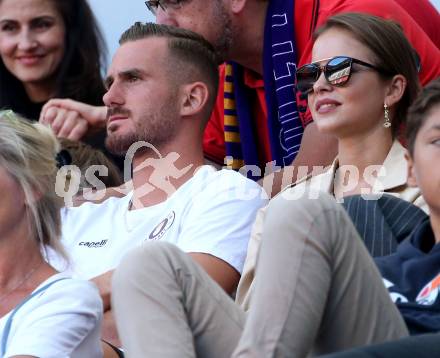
[161,87]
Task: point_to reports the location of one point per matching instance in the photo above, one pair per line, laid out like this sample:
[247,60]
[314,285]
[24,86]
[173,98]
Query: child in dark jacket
[412,273]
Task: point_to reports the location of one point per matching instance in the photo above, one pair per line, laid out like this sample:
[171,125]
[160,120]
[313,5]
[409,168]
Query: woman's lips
[29,60]
[326,105]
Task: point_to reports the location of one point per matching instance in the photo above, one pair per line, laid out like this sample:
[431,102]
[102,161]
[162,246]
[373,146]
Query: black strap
[118,351]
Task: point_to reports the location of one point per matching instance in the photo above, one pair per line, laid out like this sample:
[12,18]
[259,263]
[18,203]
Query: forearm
[103,282]
[109,330]
[220,271]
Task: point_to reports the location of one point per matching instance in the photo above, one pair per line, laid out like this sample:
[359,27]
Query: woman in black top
[48,49]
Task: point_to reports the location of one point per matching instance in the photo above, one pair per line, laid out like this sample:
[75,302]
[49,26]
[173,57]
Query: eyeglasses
[337,72]
[153,5]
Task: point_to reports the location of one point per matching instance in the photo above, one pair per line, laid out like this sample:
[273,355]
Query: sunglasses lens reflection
[306,76]
[338,70]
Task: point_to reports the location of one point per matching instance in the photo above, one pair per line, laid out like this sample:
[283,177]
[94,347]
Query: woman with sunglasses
[43,313]
[360,84]
[359,87]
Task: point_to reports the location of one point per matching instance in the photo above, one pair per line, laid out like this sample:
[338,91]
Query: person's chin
[30,75]
[118,144]
[327,124]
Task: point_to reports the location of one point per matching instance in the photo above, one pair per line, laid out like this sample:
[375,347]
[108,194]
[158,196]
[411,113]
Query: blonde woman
[43,313]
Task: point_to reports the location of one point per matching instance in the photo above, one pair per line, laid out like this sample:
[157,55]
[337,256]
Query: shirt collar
[394,169]
[392,174]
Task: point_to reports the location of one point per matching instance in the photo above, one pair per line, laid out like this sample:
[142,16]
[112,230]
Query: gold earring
[386,115]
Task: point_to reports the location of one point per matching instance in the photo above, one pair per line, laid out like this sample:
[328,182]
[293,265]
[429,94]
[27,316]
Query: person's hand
[104,283]
[72,119]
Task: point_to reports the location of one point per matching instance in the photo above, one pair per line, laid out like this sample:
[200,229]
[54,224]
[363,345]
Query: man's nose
[163,17]
[113,96]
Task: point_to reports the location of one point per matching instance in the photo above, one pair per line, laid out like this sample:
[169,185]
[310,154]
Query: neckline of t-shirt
[50,279]
[54,277]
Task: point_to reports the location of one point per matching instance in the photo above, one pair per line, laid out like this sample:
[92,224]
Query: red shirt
[306,15]
[426,16]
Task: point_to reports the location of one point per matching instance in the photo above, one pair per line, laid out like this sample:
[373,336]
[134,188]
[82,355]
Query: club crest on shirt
[429,293]
[161,228]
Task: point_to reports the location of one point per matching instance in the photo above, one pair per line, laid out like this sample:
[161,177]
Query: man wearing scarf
[259,118]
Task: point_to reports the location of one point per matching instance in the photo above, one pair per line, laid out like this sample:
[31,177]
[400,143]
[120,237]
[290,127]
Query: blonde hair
[27,153]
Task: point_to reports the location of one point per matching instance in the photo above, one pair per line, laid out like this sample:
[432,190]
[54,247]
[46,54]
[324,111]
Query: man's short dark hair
[192,58]
[418,112]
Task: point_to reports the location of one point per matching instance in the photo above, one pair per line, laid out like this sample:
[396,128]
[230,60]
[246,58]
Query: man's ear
[395,90]
[193,98]
[411,179]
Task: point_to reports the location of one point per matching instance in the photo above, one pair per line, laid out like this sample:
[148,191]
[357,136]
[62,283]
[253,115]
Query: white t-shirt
[211,213]
[62,321]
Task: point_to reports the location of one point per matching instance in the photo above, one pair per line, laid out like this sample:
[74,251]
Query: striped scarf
[279,66]
[234,153]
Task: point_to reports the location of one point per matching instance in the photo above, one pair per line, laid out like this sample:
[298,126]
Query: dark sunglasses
[337,72]
[154,5]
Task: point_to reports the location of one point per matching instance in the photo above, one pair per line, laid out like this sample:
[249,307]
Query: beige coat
[391,180]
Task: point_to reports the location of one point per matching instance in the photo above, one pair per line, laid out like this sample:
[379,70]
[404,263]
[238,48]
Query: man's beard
[222,44]
[156,129]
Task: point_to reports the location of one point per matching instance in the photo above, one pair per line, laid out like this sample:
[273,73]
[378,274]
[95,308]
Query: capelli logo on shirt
[161,228]
[93,244]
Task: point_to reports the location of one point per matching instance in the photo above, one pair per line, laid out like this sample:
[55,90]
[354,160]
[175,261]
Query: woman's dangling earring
[386,115]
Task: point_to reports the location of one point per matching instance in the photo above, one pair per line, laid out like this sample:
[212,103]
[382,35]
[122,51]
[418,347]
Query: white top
[211,213]
[62,321]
